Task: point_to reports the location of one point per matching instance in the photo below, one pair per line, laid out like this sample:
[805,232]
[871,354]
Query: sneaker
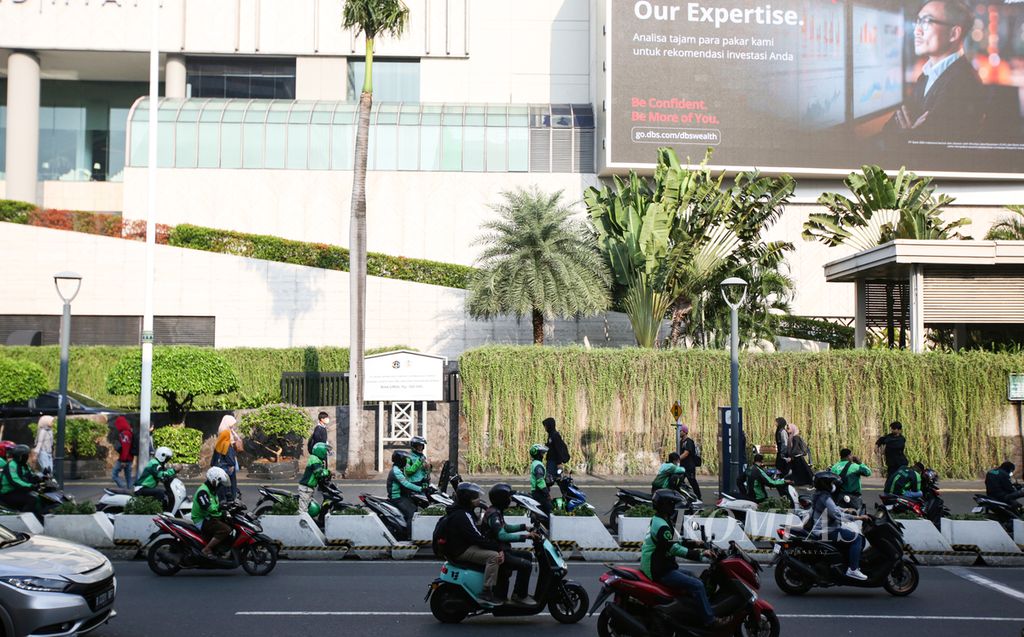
[856,574]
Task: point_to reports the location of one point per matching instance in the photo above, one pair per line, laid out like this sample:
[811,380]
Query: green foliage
[317,255]
[375,17]
[612,405]
[837,336]
[15,211]
[904,515]
[515,511]
[74,508]
[967,516]
[640,511]
[775,505]
[537,261]
[433,509]
[351,511]
[80,435]
[21,380]
[578,512]
[184,441]
[287,506]
[1008,228]
[180,373]
[143,505]
[275,421]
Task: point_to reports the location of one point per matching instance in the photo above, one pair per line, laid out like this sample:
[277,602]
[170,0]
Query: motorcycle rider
[315,474]
[827,519]
[466,544]
[660,550]
[206,511]
[540,482]
[758,479]
[154,473]
[999,485]
[496,529]
[905,481]
[399,486]
[17,482]
[669,474]
[849,469]
[418,467]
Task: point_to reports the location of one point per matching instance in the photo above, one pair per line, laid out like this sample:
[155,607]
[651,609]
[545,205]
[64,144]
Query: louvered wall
[977,295]
[113,330]
[877,303]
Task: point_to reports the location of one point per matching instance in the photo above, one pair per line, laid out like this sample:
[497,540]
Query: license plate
[977,509]
[777,549]
[104,598]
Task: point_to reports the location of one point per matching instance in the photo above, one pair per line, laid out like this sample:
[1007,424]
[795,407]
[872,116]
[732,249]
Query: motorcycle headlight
[38,584]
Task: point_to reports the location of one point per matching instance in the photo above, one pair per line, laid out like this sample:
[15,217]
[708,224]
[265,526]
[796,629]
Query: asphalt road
[386,599]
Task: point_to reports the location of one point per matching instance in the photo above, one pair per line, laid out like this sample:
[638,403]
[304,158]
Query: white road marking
[987,583]
[343,613]
[917,617]
[385,613]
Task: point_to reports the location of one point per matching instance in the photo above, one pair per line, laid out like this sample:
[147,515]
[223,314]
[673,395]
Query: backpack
[439,540]
[742,483]
[697,459]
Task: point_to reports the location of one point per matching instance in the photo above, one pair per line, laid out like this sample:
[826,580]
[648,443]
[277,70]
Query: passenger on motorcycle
[849,469]
[757,480]
[399,486]
[827,519]
[206,511]
[496,529]
[17,482]
[999,485]
[155,472]
[315,474]
[465,543]
[540,482]
[905,481]
[660,550]
[418,467]
[669,474]
[5,448]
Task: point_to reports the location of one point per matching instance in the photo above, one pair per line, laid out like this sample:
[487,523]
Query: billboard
[818,87]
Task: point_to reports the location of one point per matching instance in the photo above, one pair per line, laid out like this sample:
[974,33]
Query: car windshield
[85,400]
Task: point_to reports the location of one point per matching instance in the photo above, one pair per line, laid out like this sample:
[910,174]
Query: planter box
[633,530]
[992,542]
[134,529]
[274,471]
[366,535]
[294,532]
[1018,532]
[423,527]
[592,540]
[720,531]
[22,523]
[90,530]
[764,527]
[931,547]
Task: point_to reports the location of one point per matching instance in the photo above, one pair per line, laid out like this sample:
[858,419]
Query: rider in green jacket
[418,467]
[206,511]
[669,474]
[758,479]
[155,472]
[399,486]
[315,474]
[540,486]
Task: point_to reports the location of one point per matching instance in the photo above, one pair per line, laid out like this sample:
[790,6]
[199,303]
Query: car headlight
[39,584]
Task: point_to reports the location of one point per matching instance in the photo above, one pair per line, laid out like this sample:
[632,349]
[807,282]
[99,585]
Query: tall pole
[146,386]
[734,397]
[62,406]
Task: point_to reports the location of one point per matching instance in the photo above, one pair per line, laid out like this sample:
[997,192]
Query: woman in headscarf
[225,452]
[44,444]
[799,458]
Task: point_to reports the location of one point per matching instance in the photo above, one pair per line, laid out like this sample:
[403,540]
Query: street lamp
[67,284]
[734,291]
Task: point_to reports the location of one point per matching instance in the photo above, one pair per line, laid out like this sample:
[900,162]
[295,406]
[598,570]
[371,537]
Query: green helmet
[314,506]
[320,450]
[537,451]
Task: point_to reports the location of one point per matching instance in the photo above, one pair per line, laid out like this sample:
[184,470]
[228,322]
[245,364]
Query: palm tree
[1008,228]
[371,18]
[538,261]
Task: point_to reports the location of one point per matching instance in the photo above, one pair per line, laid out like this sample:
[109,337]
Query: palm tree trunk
[356,463]
[538,327]
[680,310]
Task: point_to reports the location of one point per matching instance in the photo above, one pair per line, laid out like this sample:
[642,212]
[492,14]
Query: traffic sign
[677,410]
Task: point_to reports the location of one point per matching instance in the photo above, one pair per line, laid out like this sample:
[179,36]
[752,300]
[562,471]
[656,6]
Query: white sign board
[1016,389]
[403,376]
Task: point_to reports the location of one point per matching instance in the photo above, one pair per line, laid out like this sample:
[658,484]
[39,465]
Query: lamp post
[734,291]
[67,284]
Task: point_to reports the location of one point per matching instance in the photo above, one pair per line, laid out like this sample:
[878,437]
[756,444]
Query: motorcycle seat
[641,495]
[467,566]
[278,491]
[118,492]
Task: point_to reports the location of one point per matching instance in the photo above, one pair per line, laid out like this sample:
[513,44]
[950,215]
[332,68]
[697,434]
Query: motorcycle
[626,499]
[178,544]
[738,507]
[641,607]
[333,500]
[438,496]
[393,519]
[455,595]
[572,497]
[998,510]
[802,563]
[114,501]
[48,497]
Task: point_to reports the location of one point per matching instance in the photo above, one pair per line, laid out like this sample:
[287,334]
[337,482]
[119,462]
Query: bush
[837,336]
[578,512]
[965,516]
[15,211]
[640,511]
[775,505]
[21,380]
[75,508]
[351,511]
[905,515]
[143,505]
[287,506]
[80,434]
[276,431]
[184,441]
[437,509]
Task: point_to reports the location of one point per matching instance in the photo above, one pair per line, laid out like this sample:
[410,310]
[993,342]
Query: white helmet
[163,454]
[217,476]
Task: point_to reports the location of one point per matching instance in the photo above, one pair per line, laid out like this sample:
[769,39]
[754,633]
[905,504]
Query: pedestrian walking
[44,444]
[225,454]
[894,448]
[124,445]
[689,459]
[319,431]
[781,446]
[799,458]
[558,451]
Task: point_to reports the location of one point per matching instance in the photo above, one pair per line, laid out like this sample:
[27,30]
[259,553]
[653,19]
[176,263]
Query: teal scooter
[455,595]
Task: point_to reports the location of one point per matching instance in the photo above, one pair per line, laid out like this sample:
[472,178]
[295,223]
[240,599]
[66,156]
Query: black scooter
[998,510]
[333,500]
[802,563]
[629,498]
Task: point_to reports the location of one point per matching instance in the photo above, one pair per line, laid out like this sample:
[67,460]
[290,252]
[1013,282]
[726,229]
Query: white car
[52,587]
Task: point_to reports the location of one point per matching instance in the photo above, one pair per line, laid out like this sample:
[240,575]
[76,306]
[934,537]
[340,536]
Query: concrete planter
[633,530]
[719,530]
[764,527]
[22,523]
[994,545]
[931,547]
[134,529]
[423,527]
[592,540]
[90,530]
[1018,532]
[365,535]
[296,533]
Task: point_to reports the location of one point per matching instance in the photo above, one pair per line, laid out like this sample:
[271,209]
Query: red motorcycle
[643,608]
[179,544]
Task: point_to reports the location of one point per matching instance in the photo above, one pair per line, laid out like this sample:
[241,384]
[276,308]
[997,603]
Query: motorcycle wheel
[768,627]
[790,581]
[164,557]
[569,603]
[605,628]
[259,558]
[447,605]
[902,580]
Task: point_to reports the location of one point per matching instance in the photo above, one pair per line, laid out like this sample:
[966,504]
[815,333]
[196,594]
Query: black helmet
[467,492]
[827,481]
[500,495]
[400,457]
[665,501]
[419,441]
[19,453]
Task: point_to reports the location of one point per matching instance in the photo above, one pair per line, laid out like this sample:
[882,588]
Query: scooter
[998,510]
[455,595]
[178,544]
[738,507]
[929,506]
[114,501]
[572,497]
[438,496]
[333,500]
[48,497]
[802,563]
[629,498]
[641,607]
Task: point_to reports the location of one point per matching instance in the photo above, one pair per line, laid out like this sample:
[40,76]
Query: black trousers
[22,500]
[521,563]
[408,509]
[543,498]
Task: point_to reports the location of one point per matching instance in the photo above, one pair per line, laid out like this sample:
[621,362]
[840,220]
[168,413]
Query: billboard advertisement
[818,86]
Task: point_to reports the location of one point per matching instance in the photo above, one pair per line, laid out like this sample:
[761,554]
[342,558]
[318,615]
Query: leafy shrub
[80,435]
[640,511]
[965,516]
[184,441]
[287,506]
[15,211]
[143,505]
[578,512]
[20,380]
[436,509]
[904,515]
[838,336]
[350,511]
[276,430]
[515,511]
[775,505]
[75,508]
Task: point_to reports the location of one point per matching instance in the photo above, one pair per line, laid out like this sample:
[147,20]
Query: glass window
[298,145]
[431,115]
[252,145]
[451,151]
[393,80]
[473,149]
[185,145]
[209,145]
[430,148]
[496,161]
[342,145]
[3,133]
[276,146]
[518,150]
[474,116]
[319,147]
[230,144]
[257,78]
[408,147]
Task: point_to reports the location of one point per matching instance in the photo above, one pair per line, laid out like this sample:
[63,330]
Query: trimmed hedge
[21,380]
[837,336]
[100,223]
[317,255]
[185,442]
[15,211]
